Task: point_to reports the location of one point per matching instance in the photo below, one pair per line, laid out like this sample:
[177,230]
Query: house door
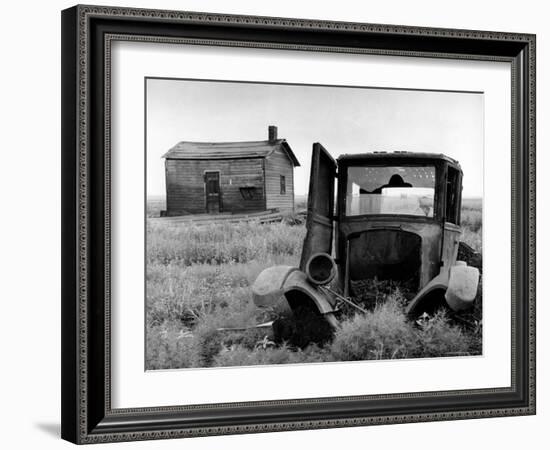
[212,189]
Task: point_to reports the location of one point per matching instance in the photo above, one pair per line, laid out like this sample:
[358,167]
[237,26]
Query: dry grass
[199,278]
[471,223]
[386,333]
[155,204]
[221,243]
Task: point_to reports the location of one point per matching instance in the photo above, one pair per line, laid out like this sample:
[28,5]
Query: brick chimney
[272,133]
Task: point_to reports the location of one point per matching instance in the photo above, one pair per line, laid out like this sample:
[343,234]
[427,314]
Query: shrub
[437,337]
[383,333]
[471,219]
[207,341]
[249,339]
[473,239]
[471,223]
[170,346]
[242,356]
[312,354]
[199,278]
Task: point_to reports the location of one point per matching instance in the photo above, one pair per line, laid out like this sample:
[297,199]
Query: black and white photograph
[275,225]
[294,223]
[276,222]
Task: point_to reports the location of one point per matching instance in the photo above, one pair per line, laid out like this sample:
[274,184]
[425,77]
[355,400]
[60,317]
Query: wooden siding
[185,191]
[278,164]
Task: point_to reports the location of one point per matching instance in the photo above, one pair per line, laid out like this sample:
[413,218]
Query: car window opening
[391,190]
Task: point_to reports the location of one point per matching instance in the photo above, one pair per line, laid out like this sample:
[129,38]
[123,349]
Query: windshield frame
[439,187]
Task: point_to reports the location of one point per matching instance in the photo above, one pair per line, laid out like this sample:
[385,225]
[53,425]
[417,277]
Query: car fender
[267,289]
[297,281]
[458,284]
[463,284]
[440,282]
[275,285]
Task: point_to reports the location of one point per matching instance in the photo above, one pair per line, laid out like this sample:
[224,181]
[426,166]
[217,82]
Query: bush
[170,346]
[383,333]
[471,219]
[436,337]
[199,278]
[208,343]
[473,239]
[248,339]
[471,223]
[241,356]
[312,354]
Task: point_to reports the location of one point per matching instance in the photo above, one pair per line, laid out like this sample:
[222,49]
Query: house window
[283,185]
[248,192]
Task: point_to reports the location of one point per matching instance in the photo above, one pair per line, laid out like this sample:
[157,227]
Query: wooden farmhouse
[230,177]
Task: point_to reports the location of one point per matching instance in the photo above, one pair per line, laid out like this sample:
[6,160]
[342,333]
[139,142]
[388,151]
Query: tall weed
[199,279]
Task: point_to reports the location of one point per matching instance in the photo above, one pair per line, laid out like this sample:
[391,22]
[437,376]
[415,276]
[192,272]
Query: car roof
[403,156]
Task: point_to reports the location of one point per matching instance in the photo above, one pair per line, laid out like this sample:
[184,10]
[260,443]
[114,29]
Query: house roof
[229,150]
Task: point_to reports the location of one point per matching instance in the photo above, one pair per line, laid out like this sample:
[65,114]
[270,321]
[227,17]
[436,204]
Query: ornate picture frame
[88,33]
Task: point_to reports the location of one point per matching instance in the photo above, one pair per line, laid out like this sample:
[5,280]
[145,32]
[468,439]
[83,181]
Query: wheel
[306,326]
[431,303]
[435,301]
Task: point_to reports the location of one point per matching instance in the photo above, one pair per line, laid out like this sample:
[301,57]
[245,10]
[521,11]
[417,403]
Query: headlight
[320,268]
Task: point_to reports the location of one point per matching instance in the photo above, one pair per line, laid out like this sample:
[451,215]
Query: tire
[306,326]
[431,303]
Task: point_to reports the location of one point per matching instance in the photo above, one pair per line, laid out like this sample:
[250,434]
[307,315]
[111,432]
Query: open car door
[320,205]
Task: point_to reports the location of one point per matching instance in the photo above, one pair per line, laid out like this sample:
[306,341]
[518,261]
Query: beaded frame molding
[87,34]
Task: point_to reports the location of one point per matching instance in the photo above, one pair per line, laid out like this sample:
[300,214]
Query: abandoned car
[396,218]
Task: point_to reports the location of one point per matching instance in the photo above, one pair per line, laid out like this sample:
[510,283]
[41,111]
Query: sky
[343,119]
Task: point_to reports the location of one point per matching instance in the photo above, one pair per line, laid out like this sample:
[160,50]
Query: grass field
[471,221]
[199,278]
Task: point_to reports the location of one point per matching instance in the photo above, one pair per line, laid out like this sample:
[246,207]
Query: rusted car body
[396,217]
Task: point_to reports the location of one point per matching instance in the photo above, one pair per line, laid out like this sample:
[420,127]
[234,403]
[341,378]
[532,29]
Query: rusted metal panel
[428,230]
[416,246]
[320,208]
